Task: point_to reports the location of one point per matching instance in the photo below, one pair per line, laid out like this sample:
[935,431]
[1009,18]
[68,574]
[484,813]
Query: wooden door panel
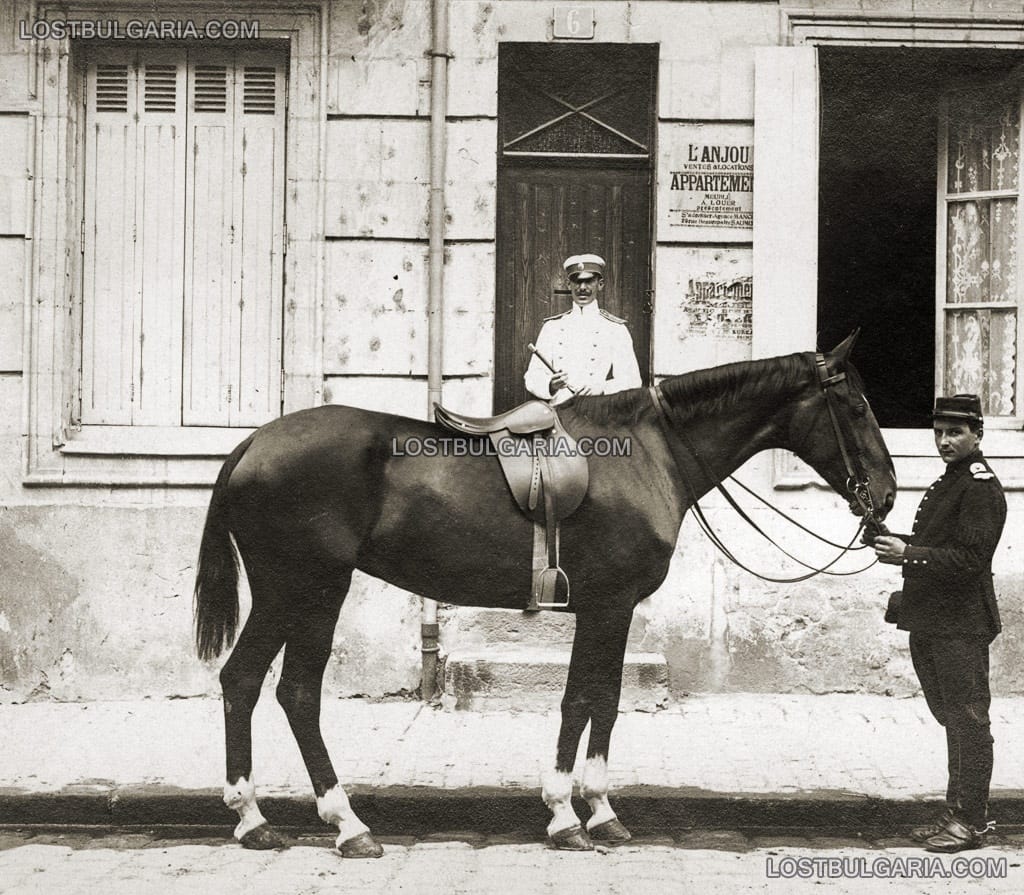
[545,215]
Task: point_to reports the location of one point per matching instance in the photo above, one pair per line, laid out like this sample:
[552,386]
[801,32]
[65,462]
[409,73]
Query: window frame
[787,90]
[56,452]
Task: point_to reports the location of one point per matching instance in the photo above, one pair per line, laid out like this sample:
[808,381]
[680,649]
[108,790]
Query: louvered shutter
[234,235]
[134,202]
[108,301]
[160,238]
[183,250]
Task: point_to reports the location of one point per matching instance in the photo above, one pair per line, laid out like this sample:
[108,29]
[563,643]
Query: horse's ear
[843,349]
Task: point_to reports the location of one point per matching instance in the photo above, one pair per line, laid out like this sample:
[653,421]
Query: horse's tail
[216,592]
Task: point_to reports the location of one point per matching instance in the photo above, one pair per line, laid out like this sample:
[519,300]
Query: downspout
[439,56]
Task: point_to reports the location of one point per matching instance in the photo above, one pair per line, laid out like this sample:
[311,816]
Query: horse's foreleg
[598,647]
[603,825]
[241,679]
[309,639]
[591,694]
[564,829]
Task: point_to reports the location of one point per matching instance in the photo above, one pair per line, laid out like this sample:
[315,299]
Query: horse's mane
[700,393]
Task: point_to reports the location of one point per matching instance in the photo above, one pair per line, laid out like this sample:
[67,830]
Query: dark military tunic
[947,567]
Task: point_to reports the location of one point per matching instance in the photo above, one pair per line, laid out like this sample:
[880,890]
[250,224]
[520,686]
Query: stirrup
[545,590]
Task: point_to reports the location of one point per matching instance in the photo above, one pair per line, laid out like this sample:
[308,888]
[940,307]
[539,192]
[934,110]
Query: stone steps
[473,625]
[524,677]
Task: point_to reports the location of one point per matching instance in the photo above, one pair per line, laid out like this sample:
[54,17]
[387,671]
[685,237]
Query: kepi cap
[583,267]
[958,407]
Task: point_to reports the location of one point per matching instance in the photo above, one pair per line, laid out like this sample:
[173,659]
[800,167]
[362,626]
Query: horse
[317,493]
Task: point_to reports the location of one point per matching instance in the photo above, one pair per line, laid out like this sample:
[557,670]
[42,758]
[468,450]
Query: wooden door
[576,128]
[546,215]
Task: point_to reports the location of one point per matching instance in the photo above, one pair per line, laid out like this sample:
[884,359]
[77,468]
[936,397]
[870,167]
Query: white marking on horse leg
[595,790]
[334,808]
[556,791]
[241,796]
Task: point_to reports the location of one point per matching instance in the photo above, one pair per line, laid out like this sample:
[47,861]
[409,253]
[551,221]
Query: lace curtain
[981,248]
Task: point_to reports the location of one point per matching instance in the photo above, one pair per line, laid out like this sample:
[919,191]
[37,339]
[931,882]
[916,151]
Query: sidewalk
[725,761]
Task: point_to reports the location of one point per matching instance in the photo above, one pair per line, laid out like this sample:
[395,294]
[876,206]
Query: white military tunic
[593,347]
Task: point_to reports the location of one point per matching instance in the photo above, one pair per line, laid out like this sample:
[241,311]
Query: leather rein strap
[857,485]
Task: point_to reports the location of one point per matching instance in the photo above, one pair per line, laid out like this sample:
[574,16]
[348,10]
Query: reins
[856,482]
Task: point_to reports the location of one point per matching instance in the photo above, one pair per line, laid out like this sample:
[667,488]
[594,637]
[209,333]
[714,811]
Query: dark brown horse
[316,494]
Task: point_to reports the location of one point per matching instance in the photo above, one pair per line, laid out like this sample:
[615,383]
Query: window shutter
[159,239]
[108,295]
[209,245]
[183,249]
[259,222]
[233,310]
[786,108]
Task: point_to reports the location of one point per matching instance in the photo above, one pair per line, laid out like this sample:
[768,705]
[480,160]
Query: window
[182,239]
[979,291]
[847,219]
[60,450]
[918,222]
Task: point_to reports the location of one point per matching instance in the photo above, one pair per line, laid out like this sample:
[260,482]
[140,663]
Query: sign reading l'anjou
[706,183]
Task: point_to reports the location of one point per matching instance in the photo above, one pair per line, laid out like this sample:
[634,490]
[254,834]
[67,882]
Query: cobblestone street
[143,863]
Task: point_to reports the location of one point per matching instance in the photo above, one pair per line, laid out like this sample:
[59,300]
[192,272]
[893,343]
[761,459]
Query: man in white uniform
[590,349]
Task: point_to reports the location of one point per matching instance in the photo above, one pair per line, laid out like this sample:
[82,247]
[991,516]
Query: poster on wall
[706,303]
[706,183]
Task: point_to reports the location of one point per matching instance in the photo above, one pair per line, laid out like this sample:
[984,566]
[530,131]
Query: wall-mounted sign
[706,183]
[574,22]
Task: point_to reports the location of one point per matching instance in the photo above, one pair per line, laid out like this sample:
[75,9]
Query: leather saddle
[547,476]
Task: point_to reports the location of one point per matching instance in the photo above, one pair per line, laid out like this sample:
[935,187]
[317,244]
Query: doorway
[576,128]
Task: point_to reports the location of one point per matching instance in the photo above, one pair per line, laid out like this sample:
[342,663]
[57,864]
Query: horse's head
[834,430]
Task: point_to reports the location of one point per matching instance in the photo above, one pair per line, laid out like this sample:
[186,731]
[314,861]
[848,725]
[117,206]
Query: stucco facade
[98,536]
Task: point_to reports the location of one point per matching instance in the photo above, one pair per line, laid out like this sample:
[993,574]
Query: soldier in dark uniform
[949,608]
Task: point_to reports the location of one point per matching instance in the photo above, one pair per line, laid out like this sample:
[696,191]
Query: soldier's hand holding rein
[889,549]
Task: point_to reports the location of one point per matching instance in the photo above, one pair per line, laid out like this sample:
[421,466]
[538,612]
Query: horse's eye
[860,409]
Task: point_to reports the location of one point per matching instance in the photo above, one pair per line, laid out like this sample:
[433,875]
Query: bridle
[857,479]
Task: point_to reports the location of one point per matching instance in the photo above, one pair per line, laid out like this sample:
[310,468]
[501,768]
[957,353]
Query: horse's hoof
[263,837]
[571,839]
[361,846]
[611,832]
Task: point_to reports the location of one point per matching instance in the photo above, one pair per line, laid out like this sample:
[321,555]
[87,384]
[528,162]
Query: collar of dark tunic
[963,465]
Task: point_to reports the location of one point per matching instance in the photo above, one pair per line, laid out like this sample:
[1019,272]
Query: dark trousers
[954,677]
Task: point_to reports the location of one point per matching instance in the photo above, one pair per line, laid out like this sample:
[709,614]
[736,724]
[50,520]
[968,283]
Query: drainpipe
[439,56]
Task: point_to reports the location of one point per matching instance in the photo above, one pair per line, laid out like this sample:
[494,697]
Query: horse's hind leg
[309,636]
[241,679]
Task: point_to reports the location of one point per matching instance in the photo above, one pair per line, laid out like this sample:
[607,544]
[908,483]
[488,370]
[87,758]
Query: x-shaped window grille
[574,109]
